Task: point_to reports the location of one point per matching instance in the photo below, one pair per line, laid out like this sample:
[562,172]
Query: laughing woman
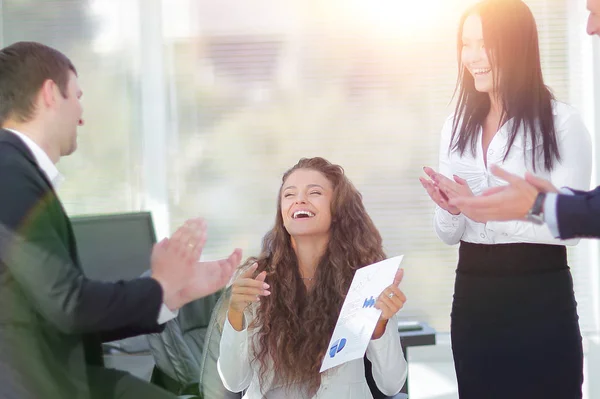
[273,347]
[515,331]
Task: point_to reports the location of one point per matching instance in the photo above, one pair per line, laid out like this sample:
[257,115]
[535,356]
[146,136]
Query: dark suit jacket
[52,318]
[579,215]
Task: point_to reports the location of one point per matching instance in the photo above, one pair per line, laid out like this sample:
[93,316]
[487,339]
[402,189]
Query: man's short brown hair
[24,67]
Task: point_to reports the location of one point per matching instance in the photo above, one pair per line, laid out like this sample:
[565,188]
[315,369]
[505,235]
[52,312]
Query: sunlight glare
[405,17]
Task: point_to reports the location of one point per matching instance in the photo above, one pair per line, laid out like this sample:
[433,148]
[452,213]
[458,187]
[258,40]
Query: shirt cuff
[565,190]
[550,216]
[448,219]
[166,314]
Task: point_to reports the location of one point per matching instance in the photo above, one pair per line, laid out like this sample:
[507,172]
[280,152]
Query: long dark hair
[511,41]
[293,326]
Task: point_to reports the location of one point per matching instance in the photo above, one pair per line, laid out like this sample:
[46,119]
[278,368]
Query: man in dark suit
[567,213]
[52,318]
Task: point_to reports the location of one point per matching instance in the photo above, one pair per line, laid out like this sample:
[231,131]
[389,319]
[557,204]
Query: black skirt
[515,331]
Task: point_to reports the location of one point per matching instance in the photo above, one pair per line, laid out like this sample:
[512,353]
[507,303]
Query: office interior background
[197,107]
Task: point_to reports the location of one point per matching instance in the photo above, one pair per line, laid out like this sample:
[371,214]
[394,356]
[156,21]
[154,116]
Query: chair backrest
[211,386]
[178,350]
[188,348]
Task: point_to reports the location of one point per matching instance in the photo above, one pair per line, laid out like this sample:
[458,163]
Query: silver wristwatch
[536,213]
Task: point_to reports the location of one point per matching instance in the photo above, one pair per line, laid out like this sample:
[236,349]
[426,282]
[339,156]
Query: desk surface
[423,336]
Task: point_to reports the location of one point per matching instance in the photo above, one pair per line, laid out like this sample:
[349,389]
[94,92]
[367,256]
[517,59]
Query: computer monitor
[114,247]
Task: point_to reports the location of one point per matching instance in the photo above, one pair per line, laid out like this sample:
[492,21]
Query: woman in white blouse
[285,304]
[514,327]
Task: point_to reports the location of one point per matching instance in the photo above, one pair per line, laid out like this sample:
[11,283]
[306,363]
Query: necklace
[306,278]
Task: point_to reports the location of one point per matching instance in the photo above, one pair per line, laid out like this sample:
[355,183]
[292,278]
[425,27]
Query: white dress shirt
[239,370]
[43,160]
[574,170]
[51,171]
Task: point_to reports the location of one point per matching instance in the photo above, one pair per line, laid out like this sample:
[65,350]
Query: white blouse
[238,371]
[574,170]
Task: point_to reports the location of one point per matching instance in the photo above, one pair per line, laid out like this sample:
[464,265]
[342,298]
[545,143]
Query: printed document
[358,317]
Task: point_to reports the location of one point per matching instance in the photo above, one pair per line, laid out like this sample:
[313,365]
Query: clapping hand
[209,277]
[435,192]
[509,202]
[174,259]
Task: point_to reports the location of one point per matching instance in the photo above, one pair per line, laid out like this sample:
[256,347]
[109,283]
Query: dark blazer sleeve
[579,215]
[35,249]
[131,331]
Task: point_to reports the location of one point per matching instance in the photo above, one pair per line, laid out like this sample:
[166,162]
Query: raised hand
[246,290]
[391,299]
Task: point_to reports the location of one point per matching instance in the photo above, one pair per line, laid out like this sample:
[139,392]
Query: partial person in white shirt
[286,301]
[567,213]
[53,319]
[514,329]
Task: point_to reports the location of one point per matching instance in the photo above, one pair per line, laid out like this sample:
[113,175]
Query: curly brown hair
[294,325]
